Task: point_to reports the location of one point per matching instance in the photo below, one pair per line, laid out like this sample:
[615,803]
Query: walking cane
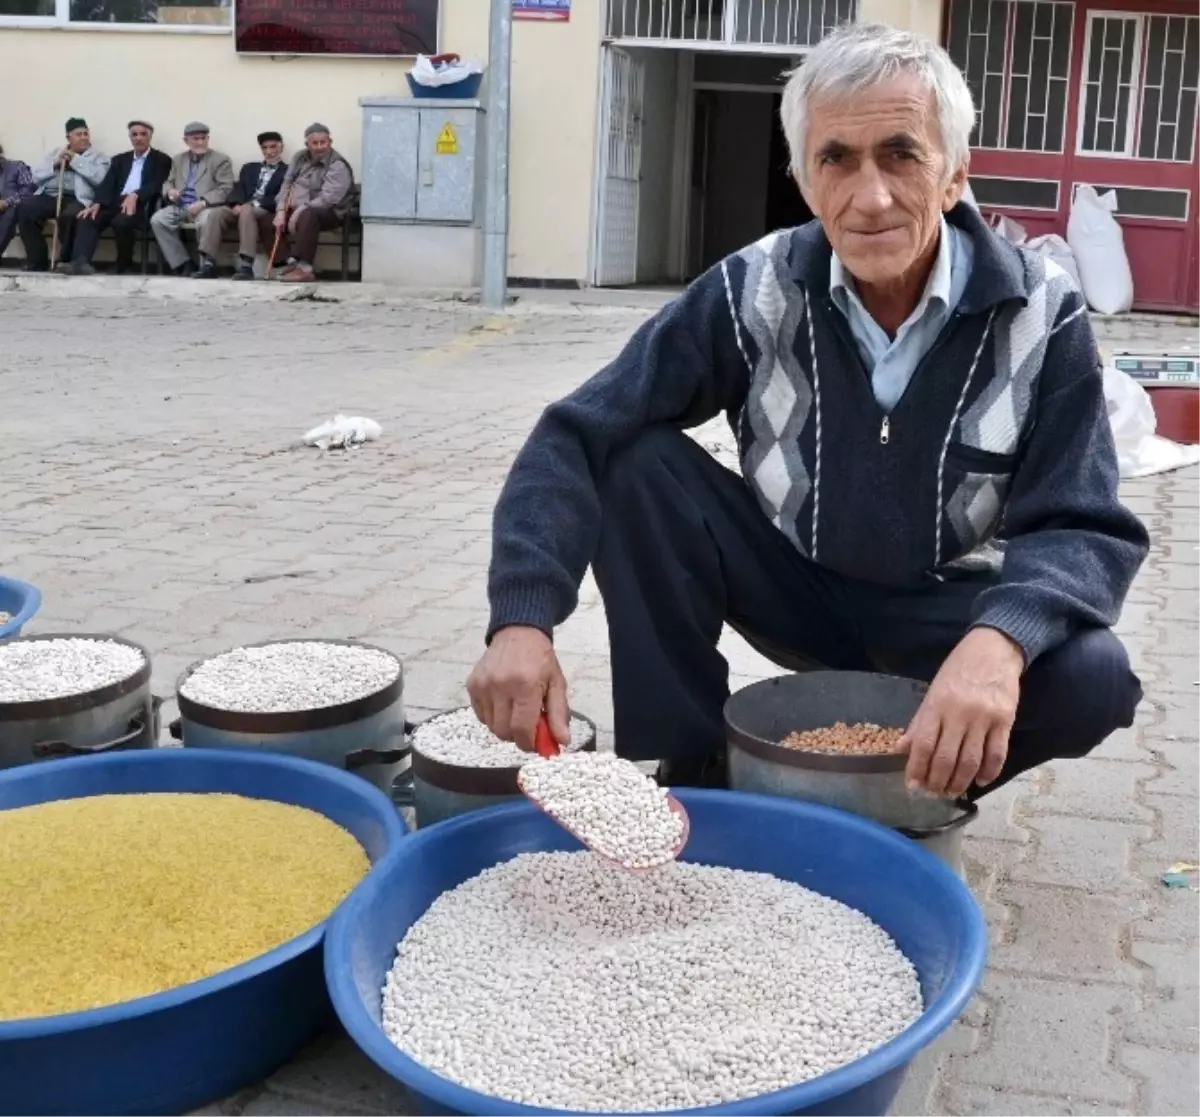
[62,168]
[279,233]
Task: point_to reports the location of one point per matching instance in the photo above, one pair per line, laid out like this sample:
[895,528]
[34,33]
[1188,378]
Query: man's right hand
[129,204]
[236,210]
[88,213]
[172,195]
[515,679]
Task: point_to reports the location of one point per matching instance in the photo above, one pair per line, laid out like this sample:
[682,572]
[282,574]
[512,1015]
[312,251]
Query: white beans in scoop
[295,675]
[609,804]
[559,980]
[37,670]
[458,737]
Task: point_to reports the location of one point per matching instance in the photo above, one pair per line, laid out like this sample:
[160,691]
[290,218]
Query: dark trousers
[125,229]
[311,223]
[8,228]
[32,216]
[684,548]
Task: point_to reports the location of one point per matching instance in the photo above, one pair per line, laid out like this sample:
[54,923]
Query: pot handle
[360,758]
[45,749]
[175,729]
[969,811]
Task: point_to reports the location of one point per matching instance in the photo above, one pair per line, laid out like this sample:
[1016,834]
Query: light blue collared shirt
[893,362]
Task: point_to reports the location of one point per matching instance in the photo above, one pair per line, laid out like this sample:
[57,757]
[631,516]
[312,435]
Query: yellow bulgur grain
[118,896]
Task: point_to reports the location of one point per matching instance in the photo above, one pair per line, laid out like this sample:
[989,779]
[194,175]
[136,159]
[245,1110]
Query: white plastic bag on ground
[1099,247]
[1140,452]
[1053,247]
[427,72]
[342,432]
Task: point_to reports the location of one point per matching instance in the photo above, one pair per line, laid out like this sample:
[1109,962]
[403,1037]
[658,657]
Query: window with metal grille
[768,23]
[1016,55]
[1140,86]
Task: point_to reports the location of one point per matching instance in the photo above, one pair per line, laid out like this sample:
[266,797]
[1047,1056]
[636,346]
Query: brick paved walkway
[151,487]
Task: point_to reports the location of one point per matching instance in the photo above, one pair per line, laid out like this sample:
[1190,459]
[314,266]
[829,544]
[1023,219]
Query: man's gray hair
[858,56]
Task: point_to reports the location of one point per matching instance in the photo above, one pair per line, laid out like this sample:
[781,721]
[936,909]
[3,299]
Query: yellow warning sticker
[447,141]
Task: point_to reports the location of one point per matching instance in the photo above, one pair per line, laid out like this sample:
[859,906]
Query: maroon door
[1100,92]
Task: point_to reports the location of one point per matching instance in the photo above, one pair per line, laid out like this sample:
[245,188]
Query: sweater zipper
[885,431]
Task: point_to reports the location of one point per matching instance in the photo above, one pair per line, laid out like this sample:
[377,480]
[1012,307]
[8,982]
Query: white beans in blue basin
[295,675]
[38,670]
[562,981]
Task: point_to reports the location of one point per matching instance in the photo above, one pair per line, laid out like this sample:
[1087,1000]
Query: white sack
[1099,247]
[1012,231]
[1053,247]
[425,72]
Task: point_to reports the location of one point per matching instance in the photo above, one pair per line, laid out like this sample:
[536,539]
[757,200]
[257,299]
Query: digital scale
[1175,369]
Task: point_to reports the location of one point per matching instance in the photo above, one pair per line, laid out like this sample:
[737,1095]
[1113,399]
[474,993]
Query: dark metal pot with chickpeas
[832,737]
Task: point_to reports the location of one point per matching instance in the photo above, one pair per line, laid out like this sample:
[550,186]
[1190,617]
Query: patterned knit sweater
[998,459]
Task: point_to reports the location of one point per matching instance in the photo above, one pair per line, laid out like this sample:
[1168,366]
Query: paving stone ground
[151,485]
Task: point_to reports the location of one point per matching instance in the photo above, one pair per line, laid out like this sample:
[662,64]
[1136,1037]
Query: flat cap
[315,129]
[269,137]
[74,124]
[196,128]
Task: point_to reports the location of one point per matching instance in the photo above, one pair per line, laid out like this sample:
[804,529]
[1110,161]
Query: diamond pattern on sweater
[779,402]
[975,507]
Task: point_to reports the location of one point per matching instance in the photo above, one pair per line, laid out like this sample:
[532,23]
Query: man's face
[319,144]
[79,139]
[272,150]
[197,142]
[139,138]
[877,178]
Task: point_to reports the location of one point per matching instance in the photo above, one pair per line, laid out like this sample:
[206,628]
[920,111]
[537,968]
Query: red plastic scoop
[547,747]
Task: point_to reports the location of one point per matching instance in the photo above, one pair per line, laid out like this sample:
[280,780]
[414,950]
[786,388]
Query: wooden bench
[348,236]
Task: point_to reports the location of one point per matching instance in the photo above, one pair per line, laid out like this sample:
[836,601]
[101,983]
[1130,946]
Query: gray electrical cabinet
[422,189]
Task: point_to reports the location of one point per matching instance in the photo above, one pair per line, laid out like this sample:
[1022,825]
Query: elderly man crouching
[316,193]
[930,483]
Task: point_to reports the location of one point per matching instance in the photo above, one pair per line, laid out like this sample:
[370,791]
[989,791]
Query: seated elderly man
[251,205]
[200,180]
[316,192]
[80,168]
[929,482]
[123,201]
[16,184]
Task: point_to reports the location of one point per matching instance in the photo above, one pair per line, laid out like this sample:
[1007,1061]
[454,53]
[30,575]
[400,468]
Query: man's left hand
[196,209]
[129,204]
[960,733]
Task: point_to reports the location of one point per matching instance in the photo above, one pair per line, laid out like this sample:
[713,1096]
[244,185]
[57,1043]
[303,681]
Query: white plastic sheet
[1099,247]
[429,73]
[1053,247]
[1140,452]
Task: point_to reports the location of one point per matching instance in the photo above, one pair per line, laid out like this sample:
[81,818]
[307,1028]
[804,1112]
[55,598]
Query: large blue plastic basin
[928,911]
[22,601]
[177,1050]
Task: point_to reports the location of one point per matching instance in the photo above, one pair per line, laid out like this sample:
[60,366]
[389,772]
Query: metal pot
[122,715]
[367,736]
[758,717]
[437,790]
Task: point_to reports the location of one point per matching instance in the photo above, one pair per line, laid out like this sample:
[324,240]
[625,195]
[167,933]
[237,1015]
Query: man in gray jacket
[80,168]
[200,181]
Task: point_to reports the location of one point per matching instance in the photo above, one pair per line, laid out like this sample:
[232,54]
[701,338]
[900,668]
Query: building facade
[645,136]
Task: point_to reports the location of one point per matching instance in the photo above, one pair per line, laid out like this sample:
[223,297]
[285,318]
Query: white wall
[658,164]
[170,78]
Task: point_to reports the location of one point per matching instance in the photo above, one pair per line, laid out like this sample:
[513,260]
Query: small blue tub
[928,911]
[465,90]
[22,601]
[175,1051]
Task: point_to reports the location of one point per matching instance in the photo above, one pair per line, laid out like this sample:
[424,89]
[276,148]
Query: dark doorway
[785,207]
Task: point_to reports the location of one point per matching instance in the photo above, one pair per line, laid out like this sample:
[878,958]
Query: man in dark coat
[123,201]
[16,182]
[251,205]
